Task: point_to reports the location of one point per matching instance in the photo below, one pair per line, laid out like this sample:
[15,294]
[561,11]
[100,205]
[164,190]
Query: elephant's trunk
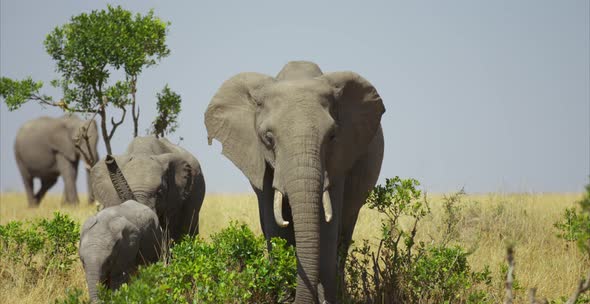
[119,182]
[89,185]
[92,279]
[304,188]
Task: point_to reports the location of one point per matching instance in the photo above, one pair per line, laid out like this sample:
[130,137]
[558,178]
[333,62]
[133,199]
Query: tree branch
[582,288]
[533,297]
[509,275]
[135,121]
[45,101]
[90,159]
[117,124]
[134,105]
[60,104]
[103,130]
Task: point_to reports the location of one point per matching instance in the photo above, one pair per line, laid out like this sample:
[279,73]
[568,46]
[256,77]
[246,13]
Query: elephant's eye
[268,139]
[332,137]
[332,134]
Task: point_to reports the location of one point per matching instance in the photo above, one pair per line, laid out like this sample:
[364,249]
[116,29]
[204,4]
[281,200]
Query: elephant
[48,147]
[306,141]
[163,176]
[115,241]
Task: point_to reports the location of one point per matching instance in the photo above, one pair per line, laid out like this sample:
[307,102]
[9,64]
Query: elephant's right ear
[230,118]
[128,237]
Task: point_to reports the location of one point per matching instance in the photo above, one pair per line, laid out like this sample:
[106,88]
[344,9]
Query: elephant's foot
[322,295]
[74,203]
[70,202]
[34,204]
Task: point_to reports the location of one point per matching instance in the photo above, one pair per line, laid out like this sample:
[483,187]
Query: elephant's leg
[28,182]
[69,173]
[355,194]
[328,289]
[46,184]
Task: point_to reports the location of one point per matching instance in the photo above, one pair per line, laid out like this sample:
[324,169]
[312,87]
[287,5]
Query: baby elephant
[115,241]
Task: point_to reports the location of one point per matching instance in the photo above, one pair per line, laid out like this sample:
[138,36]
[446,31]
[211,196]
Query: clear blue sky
[490,96]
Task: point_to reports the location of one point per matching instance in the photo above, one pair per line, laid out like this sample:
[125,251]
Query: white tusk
[327,206]
[278,209]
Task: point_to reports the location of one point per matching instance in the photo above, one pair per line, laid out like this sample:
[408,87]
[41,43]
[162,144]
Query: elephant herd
[310,143]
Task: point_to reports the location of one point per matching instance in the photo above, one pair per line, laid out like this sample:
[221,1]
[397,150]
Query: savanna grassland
[486,224]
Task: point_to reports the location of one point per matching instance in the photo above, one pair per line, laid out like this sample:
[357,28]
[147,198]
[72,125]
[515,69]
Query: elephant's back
[35,126]
[148,145]
[137,213]
[294,70]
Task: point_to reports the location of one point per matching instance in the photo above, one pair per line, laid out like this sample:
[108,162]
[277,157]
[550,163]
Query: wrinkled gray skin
[297,136]
[162,176]
[115,241]
[45,148]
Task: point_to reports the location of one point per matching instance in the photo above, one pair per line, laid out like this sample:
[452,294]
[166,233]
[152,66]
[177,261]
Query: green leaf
[16,93]
[168,108]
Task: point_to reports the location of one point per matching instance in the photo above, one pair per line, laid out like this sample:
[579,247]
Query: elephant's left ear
[358,109]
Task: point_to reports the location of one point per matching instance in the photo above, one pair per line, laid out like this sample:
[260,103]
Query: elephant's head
[162,182]
[84,136]
[309,127]
[80,142]
[108,250]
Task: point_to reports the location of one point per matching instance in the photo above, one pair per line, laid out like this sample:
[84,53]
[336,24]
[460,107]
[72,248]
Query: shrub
[235,267]
[402,270]
[575,224]
[42,246]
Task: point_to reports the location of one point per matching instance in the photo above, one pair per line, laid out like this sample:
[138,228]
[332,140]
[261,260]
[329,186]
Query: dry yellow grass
[487,224]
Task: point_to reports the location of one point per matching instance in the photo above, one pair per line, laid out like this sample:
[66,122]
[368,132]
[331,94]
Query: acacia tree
[86,50]
[168,108]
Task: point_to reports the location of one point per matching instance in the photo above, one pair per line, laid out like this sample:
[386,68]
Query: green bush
[443,273]
[575,224]
[42,246]
[235,267]
[402,270]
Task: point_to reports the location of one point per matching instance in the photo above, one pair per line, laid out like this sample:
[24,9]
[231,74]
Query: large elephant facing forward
[307,141]
[158,174]
[48,147]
